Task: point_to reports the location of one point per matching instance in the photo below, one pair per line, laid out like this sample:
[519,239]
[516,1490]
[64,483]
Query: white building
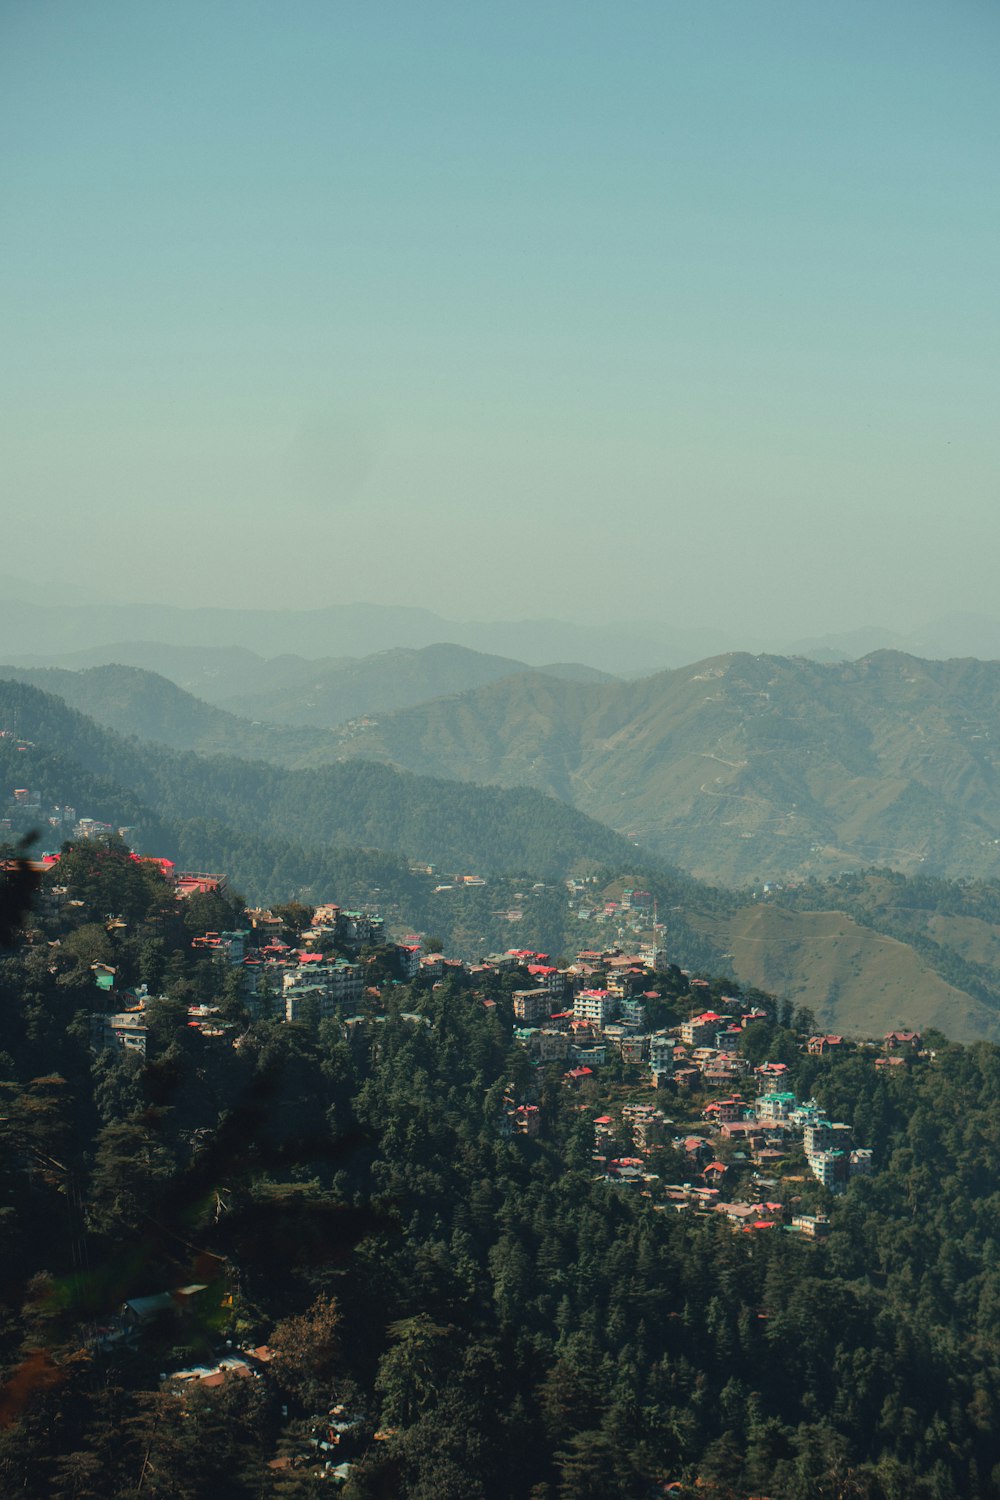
[596,1006]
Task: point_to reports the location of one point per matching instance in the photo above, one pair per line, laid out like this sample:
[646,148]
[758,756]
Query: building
[633,1010]
[774,1106]
[409,959]
[902,1041]
[596,1006]
[548,977]
[700,1030]
[831,1168]
[359,929]
[532,1005]
[654,955]
[661,1053]
[813,1226]
[126,1029]
[818,1046]
[633,1049]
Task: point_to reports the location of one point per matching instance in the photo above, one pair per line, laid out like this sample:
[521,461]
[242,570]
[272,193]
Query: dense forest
[456,1312]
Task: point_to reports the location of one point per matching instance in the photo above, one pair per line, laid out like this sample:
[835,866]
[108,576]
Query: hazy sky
[685,309]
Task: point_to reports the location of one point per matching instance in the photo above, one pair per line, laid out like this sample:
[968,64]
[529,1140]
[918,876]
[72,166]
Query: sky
[648,309]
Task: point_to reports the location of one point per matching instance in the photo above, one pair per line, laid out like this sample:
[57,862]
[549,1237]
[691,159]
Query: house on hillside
[907,1042]
[818,1046]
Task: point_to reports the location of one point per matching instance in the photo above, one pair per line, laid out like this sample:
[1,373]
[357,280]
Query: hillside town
[689,1099]
[687,1093]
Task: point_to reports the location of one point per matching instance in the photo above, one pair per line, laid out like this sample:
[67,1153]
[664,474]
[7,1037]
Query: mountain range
[283,689]
[66,756]
[896,744]
[742,769]
[57,628]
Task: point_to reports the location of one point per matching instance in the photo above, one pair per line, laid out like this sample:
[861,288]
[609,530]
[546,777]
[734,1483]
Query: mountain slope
[327,693]
[742,768]
[895,952]
[131,701]
[854,980]
[289,690]
[483,828]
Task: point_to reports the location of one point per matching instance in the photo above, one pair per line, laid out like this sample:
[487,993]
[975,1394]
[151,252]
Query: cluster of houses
[581,1016]
[746,1135]
[325,1451]
[742,1134]
[311,977]
[26,809]
[767,1126]
[275,978]
[563,1017]
[633,909]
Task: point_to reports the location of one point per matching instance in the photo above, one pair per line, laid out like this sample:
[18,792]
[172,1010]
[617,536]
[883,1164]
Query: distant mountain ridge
[64,625]
[740,769]
[744,768]
[31,629]
[286,689]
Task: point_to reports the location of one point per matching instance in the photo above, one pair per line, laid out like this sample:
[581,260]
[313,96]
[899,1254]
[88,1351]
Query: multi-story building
[814,1226]
[597,1006]
[552,1046]
[831,1168]
[818,1046]
[902,1041]
[339,983]
[357,929]
[633,1049]
[817,1136]
[700,1030]
[126,1029]
[654,955]
[774,1106]
[633,1010]
[409,959]
[532,1005]
[661,1053]
[548,977]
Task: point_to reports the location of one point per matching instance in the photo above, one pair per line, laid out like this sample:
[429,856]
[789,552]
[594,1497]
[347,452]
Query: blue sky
[674,310]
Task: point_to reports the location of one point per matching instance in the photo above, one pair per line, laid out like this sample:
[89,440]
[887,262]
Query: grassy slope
[855,980]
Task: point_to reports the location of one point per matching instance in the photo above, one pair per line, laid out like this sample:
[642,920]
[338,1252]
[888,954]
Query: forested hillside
[452,1310]
[144,704]
[328,693]
[341,804]
[237,703]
